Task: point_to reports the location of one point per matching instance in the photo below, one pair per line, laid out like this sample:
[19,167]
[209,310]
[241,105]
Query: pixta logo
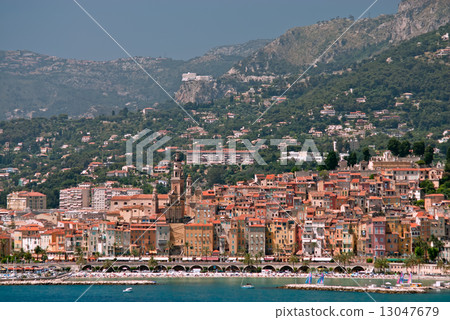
[143,146]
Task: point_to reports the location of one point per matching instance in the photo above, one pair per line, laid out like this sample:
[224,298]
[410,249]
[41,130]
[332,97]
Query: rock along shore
[392,290]
[76,282]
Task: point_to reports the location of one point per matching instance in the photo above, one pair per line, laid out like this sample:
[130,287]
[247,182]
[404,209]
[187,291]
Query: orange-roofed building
[24,200]
[432,200]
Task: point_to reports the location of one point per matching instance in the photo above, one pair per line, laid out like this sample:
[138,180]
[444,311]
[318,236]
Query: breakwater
[75,282]
[392,290]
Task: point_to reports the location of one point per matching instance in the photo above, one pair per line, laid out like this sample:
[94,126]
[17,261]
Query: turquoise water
[210,290]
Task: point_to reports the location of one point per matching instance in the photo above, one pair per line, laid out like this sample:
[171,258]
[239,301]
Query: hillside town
[372,210]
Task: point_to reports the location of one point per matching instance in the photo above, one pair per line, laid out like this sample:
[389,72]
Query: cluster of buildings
[365,211]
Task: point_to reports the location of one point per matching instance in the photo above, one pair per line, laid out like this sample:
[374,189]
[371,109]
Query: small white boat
[247,286]
[127,290]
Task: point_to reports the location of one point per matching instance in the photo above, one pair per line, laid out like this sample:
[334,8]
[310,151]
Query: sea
[212,290]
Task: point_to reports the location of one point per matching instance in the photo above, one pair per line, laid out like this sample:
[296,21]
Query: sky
[179,29]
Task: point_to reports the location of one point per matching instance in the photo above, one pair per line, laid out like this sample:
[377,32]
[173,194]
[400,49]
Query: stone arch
[179,268]
[124,268]
[286,268]
[303,269]
[339,269]
[143,267]
[196,267]
[109,270]
[269,267]
[86,267]
[249,269]
[232,268]
[214,268]
[160,268]
[357,269]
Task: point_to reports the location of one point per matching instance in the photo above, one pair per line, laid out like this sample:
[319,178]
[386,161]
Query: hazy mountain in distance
[33,84]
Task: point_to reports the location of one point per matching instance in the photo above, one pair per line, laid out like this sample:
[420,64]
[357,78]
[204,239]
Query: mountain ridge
[32,84]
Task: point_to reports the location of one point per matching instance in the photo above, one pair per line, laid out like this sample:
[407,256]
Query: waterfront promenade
[211,266]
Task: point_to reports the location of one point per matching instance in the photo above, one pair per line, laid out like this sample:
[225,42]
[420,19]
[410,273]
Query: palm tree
[107,265]
[382,264]
[293,259]
[186,246]
[411,261]
[258,257]
[28,256]
[38,251]
[441,264]
[343,259]
[152,263]
[420,248]
[80,256]
[96,255]
[277,251]
[115,247]
[169,247]
[135,252]
[305,263]
[207,252]
[248,259]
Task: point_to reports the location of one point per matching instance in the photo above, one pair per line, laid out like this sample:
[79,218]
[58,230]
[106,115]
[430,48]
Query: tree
[381,264]
[435,242]
[366,154]
[343,258]
[248,260]
[419,252]
[352,159]
[419,148]
[394,146]
[429,155]
[169,247]
[332,160]
[305,263]
[411,261]
[186,247]
[135,252]
[27,256]
[107,265]
[215,175]
[433,253]
[404,148]
[427,186]
[152,264]
[80,256]
[293,259]
[39,252]
[258,257]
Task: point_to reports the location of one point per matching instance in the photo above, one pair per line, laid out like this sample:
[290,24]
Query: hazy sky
[179,29]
